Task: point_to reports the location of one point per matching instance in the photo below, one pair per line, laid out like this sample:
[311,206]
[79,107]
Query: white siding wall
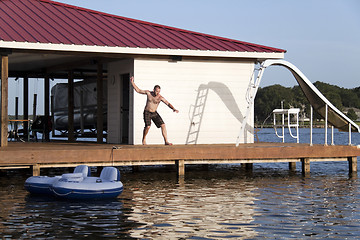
[225,106]
[115,70]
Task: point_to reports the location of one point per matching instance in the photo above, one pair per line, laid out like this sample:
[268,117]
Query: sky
[322,37]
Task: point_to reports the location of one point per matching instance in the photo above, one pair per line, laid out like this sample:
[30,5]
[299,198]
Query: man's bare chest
[154,100]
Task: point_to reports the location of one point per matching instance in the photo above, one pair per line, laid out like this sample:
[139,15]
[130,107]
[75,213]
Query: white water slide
[317,100]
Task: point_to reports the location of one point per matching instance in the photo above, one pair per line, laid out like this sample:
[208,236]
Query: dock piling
[36,169]
[180,164]
[305,166]
[249,166]
[352,164]
[292,166]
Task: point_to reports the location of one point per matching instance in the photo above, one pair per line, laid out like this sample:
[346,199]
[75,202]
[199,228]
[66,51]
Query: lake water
[218,202]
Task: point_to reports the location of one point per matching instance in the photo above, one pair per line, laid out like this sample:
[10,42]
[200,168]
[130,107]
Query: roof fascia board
[143,51]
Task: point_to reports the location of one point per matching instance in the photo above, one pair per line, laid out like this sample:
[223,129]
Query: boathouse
[205,77]
[211,80]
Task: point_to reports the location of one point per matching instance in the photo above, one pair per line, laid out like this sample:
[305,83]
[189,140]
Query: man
[150,113]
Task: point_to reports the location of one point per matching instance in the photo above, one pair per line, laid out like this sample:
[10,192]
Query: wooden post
[47,107]
[26,106]
[52,116]
[34,107]
[16,108]
[100,116]
[292,166]
[82,111]
[305,166]
[34,134]
[16,113]
[352,164]
[135,168]
[180,164]
[71,137]
[249,166]
[36,170]
[4,100]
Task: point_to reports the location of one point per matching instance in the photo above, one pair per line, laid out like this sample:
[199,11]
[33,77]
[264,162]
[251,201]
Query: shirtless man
[150,113]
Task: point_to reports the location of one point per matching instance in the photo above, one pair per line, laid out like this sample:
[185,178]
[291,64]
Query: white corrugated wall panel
[180,81]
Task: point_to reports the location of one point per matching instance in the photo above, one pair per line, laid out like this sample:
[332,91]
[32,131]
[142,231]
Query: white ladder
[250,98]
[197,115]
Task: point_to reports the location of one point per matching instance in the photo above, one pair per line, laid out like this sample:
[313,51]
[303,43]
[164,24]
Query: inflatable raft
[78,185]
[108,185]
[43,184]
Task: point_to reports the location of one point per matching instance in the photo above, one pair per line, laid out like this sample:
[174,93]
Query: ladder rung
[199,105]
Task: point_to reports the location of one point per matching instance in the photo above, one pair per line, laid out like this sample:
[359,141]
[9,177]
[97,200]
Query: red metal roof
[45,21]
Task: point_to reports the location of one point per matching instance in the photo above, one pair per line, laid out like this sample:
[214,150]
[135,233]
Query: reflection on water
[322,207]
[198,207]
[223,201]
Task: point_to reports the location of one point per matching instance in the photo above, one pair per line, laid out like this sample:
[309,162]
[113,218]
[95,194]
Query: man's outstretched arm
[169,105]
[138,90]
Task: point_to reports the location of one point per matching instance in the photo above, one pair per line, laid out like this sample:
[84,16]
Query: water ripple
[221,202]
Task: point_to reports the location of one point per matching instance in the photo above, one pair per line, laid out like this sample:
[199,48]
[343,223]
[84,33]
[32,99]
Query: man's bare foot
[167,143]
[144,143]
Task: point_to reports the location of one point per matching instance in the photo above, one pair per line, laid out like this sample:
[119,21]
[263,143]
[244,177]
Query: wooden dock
[62,154]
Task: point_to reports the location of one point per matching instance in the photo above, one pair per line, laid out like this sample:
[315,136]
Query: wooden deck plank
[220,152]
[46,153]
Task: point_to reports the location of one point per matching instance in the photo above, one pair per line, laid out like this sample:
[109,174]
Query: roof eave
[140,51]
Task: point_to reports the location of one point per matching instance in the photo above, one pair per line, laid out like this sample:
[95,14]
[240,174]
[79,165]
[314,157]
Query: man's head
[157,89]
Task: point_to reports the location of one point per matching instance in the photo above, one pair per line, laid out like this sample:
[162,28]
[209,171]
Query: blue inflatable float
[78,185]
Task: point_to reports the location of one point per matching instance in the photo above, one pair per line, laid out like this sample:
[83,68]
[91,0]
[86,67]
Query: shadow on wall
[199,107]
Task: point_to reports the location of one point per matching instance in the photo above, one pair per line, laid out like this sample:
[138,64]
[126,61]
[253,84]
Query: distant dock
[36,156]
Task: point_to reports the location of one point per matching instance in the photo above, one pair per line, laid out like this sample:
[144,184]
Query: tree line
[271,97]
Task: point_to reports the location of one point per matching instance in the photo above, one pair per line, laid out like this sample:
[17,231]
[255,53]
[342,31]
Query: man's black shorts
[148,116]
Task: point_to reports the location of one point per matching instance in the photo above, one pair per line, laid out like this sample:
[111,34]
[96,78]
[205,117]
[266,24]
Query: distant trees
[340,97]
[351,114]
[271,97]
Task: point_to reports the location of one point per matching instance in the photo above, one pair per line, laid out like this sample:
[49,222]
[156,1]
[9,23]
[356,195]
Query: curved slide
[319,103]
[316,99]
